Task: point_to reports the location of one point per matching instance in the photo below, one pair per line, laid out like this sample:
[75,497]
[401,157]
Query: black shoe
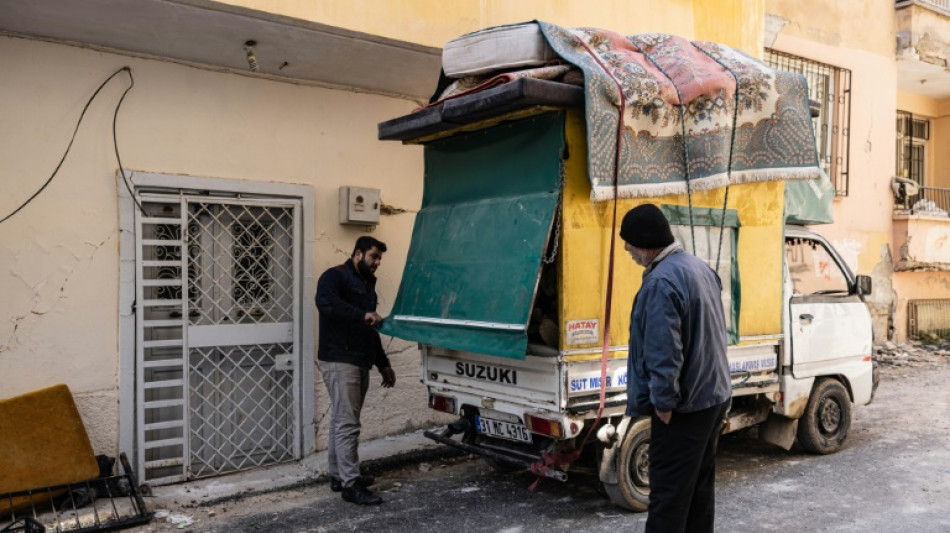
[336,485]
[360,495]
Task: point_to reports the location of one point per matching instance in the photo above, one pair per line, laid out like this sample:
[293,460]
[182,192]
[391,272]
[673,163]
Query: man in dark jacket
[677,372]
[349,346]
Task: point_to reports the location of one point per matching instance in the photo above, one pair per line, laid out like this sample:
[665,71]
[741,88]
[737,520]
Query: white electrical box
[359,205]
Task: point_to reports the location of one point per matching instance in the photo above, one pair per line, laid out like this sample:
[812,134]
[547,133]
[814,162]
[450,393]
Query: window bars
[830,86]
[912,136]
[928,320]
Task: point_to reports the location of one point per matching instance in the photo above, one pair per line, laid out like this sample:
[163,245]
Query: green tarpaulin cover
[809,202]
[489,201]
[719,252]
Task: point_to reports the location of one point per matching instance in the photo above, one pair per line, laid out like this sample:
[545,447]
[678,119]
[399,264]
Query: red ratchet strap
[548,461]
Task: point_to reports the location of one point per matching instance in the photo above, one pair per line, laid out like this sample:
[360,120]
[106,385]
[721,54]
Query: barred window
[830,87]
[913,134]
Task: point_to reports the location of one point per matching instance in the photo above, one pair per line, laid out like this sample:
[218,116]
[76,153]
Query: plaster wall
[863,218]
[916,286]
[845,25]
[940,150]
[924,30]
[922,239]
[433,22]
[918,104]
[830,33]
[59,257]
[937,159]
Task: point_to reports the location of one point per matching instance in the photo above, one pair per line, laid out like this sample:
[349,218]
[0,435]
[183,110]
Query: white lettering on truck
[487,373]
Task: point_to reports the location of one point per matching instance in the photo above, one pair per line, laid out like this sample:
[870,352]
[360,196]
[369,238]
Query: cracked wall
[858,36]
[59,257]
[845,24]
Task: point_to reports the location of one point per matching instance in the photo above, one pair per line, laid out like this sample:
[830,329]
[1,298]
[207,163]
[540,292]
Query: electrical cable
[115,139]
[73,138]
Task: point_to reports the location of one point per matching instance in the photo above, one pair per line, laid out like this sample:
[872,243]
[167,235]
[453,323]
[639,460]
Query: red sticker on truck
[582,331]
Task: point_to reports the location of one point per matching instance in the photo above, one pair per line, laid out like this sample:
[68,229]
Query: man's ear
[357,255]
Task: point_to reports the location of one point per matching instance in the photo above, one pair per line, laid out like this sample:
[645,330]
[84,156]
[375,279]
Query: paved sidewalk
[376,456]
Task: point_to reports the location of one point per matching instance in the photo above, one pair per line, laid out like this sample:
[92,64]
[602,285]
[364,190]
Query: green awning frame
[678,215]
[488,205]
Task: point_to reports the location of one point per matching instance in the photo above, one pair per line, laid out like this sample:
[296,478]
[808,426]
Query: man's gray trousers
[347,385]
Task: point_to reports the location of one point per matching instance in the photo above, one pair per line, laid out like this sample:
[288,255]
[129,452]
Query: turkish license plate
[502,429]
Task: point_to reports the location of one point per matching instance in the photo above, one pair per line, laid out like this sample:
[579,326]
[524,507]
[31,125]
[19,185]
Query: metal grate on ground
[101,504]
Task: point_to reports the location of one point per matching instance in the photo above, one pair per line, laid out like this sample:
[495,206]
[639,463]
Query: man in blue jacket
[677,371]
[349,346]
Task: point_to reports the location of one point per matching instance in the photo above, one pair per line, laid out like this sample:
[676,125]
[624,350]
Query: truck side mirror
[863,284]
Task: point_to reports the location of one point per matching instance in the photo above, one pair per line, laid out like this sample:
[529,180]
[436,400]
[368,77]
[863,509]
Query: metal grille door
[217,336]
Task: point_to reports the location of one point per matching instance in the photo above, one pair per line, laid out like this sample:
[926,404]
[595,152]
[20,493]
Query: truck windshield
[813,269]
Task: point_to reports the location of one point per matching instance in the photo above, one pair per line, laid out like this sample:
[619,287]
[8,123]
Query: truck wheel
[827,418]
[632,490]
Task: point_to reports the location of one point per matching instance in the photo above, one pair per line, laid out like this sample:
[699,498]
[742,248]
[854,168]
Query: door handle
[806,318]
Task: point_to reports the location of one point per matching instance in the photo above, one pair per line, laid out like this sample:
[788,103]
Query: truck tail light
[544,426]
[442,403]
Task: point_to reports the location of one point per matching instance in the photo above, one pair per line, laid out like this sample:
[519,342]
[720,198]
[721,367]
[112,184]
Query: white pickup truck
[801,384]
[505,290]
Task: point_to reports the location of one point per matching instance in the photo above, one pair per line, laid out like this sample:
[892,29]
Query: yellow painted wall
[586,231]
[937,162]
[918,104]
[736,23]
[940,151]
[433,22]
[844,24]
[59,257]
[916,286]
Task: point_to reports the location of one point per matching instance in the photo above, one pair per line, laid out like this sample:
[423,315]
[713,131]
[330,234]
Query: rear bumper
[511,459]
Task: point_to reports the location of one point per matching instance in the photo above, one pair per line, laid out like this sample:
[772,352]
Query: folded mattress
[495,49]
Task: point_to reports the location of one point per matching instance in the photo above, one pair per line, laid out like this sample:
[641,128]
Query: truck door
[827,317]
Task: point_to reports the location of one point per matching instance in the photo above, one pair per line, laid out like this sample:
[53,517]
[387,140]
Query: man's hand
[389,377]
[372,319]
[665,416]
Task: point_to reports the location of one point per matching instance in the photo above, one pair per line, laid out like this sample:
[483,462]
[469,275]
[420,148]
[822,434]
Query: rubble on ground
[913,353]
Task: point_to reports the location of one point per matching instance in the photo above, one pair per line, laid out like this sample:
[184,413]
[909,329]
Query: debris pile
[912,353]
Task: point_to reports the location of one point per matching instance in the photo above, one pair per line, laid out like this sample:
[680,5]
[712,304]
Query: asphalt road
[892,475]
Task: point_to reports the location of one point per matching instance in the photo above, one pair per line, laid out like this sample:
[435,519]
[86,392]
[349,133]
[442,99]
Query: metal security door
[217,336]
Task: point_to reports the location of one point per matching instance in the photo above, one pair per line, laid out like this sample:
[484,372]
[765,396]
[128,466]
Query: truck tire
[827,419]
[632,490]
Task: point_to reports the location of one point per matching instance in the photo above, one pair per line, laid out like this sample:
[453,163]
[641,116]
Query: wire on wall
[115,144]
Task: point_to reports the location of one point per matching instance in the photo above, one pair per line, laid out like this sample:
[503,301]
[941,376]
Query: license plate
[502,429]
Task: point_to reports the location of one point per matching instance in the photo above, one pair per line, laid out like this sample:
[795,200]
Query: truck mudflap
[519,460]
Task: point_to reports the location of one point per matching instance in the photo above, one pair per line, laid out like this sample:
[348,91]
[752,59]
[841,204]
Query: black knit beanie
[645,226]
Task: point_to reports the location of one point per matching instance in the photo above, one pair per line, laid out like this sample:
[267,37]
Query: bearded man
[349,346]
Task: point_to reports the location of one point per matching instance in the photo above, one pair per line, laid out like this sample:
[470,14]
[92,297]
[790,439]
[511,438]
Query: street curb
[379,456]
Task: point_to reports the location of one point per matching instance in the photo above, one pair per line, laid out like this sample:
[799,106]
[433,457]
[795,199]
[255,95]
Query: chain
[557,236]
[557,221]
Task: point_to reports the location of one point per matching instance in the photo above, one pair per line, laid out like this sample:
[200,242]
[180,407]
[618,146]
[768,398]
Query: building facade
[173,293]
[879,72]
